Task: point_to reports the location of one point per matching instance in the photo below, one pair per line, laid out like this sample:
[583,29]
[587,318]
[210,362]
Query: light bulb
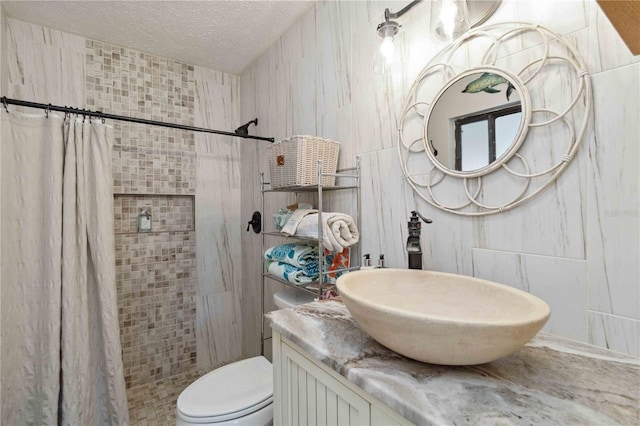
[386,48]
[453,19]
[448,12]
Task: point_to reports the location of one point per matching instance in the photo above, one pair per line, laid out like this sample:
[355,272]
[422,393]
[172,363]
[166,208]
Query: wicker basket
[294,161]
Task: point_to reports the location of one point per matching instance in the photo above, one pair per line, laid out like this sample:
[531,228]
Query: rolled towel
[339,229]
[299,255]
[289,273]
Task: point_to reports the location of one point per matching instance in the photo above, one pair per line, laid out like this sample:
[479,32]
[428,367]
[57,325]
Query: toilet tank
[291,297]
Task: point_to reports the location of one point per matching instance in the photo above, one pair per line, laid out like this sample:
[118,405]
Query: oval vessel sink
[442,318]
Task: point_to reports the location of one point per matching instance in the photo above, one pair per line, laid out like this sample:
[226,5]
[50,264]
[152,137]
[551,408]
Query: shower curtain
[60,345]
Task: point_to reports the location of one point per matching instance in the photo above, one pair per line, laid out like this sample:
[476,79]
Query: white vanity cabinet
[308,393]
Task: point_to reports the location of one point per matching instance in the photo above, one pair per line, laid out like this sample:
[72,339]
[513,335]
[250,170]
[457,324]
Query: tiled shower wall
[174,312]
[147,159]
[156,271]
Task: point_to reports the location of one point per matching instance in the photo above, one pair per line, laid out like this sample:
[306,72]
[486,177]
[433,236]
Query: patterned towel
[289,273]
[301,256]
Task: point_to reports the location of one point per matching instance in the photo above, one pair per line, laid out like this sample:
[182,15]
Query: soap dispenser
[366,262]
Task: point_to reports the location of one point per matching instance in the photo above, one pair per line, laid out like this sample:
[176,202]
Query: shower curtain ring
[4,102]
[46,112]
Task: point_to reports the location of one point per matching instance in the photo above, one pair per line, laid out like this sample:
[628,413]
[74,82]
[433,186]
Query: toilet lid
[237,388]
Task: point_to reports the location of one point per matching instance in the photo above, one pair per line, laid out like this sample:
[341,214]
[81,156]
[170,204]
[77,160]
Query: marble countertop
[551,380]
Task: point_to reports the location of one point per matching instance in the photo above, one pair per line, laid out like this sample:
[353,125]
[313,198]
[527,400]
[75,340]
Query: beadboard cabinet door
[310,397]
[308,393]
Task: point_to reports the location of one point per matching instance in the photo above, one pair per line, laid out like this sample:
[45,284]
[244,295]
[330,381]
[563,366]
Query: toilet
[240,393]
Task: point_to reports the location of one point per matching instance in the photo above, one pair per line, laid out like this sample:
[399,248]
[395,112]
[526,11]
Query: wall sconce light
[452,19]
[449,20]
[388,29]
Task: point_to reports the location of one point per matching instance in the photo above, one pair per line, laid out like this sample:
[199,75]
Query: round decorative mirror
[493,119]
[476,122]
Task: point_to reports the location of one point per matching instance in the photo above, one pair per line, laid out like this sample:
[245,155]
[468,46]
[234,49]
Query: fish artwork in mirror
[494,118]
[474,121]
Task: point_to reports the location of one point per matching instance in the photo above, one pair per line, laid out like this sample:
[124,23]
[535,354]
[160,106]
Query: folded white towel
[338,229]
[292,224]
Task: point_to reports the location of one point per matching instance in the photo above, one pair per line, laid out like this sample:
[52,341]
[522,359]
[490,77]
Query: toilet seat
[229,392]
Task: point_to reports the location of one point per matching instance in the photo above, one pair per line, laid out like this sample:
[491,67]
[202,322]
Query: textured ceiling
[222,35]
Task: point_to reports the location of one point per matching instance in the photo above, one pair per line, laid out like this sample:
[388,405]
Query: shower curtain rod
[7,101]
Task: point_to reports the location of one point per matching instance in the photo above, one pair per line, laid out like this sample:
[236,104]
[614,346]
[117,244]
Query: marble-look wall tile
[219,226]
[384,221]
[252,265]
[614,194]
[615,333]
[49,36]
[375,103]
[301,100]
[336,124]
[561,283]
[218,329]
[253,161]
[334,55]
[561,17]
[447,244]
[4,51]
[45,65]
[250,201]
[280,89]
[217,106]
[552,224]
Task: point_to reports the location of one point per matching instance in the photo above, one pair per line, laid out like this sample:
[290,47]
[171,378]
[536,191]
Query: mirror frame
[551,48]
[520,137]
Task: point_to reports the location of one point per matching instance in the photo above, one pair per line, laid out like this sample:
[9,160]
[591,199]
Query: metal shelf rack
[315,288]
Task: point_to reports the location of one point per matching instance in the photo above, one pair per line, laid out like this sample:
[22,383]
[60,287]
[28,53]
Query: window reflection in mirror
[474,121]
[483,138]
